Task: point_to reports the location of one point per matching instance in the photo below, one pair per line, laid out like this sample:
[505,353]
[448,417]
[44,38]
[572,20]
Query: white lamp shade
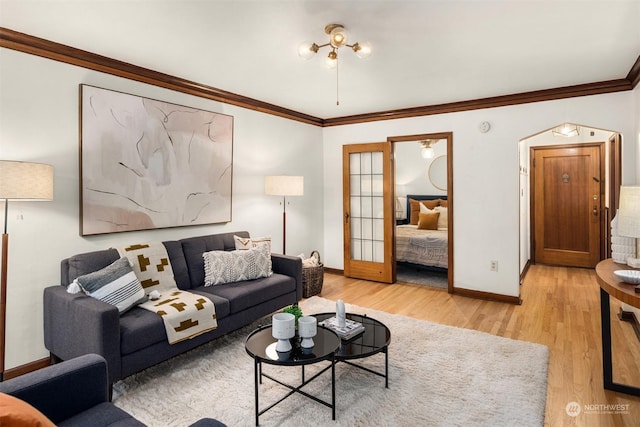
[25,181]
[284,185]
[629,212]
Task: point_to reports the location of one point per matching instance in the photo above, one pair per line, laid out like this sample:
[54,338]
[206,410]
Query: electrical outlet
[494,265]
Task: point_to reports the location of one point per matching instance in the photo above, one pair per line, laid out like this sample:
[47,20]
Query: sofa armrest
[289,266]
[76,324]
[63,390]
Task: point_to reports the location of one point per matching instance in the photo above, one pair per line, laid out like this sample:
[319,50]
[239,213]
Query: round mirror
[438,172]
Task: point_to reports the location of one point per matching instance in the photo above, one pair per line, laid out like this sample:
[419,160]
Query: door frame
[532,196]
[449,137]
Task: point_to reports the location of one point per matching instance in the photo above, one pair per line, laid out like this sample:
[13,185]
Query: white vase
[307,329]
[340,313]
[622,247]
[283,328]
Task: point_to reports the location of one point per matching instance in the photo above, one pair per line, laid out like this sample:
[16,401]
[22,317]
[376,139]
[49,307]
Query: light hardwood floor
[560,309]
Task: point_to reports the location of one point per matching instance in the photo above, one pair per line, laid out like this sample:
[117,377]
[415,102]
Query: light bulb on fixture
[427,153]
[362,50]
[427,150]
[566,130]
[332,59]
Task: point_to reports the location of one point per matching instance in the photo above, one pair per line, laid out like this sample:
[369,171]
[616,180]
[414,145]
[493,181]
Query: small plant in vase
[295,310]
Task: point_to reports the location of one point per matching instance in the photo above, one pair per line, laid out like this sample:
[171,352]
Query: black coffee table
[262,347]
[375,339]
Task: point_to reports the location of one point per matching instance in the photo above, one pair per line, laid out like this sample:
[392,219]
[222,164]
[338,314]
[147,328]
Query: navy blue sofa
[76,393]
[75,324]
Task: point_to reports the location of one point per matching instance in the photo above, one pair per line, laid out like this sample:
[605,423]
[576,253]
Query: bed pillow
[115,284]
[443,219]
[18,413]
[415,211]
[236,266]
[431,204]
[428,221]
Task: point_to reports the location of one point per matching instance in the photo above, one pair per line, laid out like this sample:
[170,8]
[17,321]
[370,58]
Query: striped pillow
[115,284]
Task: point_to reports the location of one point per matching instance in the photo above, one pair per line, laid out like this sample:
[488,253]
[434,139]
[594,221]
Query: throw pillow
[428,221]
[18,413]
[443,219]
[244,243]
[115,284]
[236,266]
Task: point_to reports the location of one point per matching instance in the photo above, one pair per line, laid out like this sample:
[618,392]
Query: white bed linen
[424,247]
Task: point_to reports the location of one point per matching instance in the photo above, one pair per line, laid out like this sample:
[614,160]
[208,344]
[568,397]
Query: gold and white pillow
[245,243]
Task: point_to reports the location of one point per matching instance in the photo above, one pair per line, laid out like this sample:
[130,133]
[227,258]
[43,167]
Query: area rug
[439,376]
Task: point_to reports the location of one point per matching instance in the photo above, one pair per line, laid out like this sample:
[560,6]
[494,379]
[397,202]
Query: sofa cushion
[243,295]
[18,413]
[236,266]
[194,247]
[141,328]
[86,263]
[178,264]
[104,414]
[115,284]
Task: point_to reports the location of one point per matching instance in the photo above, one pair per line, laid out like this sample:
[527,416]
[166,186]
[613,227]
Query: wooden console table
[611,285]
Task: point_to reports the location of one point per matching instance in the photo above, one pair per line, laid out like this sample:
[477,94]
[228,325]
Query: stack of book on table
[351,328]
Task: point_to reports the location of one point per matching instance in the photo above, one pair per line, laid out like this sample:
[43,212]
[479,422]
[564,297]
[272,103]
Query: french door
[368,217]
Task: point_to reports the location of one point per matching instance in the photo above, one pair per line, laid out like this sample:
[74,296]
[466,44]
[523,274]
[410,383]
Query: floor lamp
[284,185]
[18,181]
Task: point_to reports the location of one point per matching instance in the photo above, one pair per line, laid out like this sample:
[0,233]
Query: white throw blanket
[185,314]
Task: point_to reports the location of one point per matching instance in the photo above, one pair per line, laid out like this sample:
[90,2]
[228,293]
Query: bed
[423,247]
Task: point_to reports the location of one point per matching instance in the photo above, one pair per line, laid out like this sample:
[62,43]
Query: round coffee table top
[375,338]
[261,345]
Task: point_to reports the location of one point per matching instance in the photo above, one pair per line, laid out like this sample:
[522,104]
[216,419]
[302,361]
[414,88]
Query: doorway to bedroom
[423,196]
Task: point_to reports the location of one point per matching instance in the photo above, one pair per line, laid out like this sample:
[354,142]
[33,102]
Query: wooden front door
[567,204]
[369,216]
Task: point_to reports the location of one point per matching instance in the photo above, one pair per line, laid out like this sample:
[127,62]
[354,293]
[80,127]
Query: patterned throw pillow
[244,243]
[235,266]
[115,284]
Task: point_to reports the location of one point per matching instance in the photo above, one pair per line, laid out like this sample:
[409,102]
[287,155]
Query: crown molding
[58,52]
[25,43]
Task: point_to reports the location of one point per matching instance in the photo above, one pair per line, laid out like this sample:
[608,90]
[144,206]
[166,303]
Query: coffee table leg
[333,388]
[386,367]
[258,378]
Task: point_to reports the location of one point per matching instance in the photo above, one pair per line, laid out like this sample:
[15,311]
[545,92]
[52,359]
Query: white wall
[39,113]
[412,170]
[485,176]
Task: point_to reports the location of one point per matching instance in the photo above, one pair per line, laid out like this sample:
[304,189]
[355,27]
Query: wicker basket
[312,278]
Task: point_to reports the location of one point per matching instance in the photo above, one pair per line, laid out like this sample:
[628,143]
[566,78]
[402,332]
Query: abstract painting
[149,164]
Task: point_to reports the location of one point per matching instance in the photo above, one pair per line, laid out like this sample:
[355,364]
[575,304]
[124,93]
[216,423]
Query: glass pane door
[368,230]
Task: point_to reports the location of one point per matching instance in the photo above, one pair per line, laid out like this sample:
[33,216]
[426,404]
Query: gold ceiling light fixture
[566,130]
[338,37]
[427,149]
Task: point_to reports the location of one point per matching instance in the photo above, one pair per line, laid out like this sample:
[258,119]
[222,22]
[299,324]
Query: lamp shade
[629,212]
[284,185]
[25,181]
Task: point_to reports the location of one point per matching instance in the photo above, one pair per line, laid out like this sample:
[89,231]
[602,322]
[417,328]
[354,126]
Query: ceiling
[424,52]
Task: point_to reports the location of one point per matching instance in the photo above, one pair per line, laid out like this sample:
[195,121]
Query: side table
[611,285]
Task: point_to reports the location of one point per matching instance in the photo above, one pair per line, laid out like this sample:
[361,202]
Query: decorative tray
[628,276]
